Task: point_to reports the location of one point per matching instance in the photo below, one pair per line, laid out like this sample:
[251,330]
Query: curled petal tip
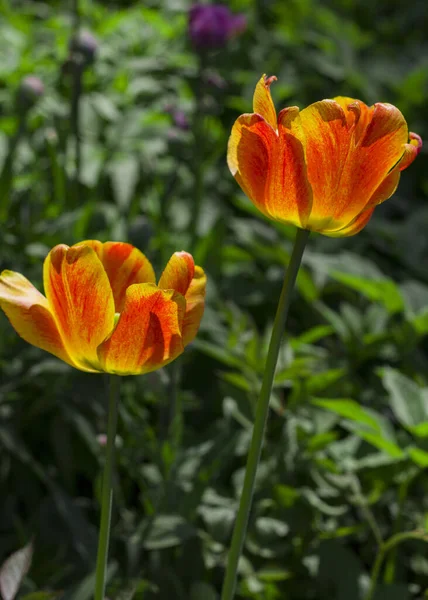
[416,140]
[57,254]
[269,80]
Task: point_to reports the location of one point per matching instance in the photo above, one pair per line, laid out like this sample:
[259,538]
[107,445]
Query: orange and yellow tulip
[103,311]
[324,168]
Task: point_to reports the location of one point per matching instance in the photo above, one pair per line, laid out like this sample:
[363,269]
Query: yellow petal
[148,333]
[262,101]
[178,273]
[195,304]
[124,265]
[28,311]
[81,300]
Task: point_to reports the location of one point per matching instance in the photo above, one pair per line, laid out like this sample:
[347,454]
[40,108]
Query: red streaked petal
[262,101]
[178,273]
[81,300]
[29,313]
[195,304]
[346,166]
[411,150]
[248,156]
[148,333]
[327,143]
[124,265]
[271,168]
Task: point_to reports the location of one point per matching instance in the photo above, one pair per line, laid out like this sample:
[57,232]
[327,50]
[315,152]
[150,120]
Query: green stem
[107,490]
[367,511]
[198,154]
[262,410]
[393,542]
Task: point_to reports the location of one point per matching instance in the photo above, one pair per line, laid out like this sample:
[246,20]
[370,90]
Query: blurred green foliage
[347,441]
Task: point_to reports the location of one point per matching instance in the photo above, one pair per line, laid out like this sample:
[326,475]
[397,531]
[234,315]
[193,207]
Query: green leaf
[379,441]
[419,456]
[348,409]
[409,403]
[124,174]
[167,531]
[384,291]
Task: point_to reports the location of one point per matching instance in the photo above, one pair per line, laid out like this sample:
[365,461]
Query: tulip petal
[326,139]
[354,227]
[385,189]
[124,265]
[345,168]
[178,273]
[195,304]
[411,150]
[29,313]
[148,333]
[270,168]
[376,153]
[81,300]
[262,101]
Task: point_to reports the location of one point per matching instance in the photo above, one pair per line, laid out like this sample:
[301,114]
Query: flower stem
[262,410]
[386,547]
[107,490]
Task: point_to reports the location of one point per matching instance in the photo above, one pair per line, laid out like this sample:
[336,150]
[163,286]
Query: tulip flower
[324,168]
[103,311]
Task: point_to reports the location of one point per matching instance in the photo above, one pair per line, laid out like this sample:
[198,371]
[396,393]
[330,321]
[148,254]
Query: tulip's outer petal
[248,156]
[292,191]
[195,304]
[29,313]
[354,227]
[270,168]
[148,333]
[178,273]
[385,189]
[124,265]
[327,144]
[262,101]
[411,150]
[346,166]
[369,163]
[81,300]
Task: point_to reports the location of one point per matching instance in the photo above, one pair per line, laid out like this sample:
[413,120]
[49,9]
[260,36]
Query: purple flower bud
[212,25]
[85,46]
[178,116]
[30,90]
[32,86]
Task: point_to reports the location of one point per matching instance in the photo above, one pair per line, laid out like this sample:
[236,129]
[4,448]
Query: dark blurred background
[114,120]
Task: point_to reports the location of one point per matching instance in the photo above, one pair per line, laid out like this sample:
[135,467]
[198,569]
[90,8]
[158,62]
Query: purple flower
[33,86]
[29,91]
[178,116]
[85,45]
[212,25]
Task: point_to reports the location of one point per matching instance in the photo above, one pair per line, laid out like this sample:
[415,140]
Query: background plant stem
[390,544]
[262,410]
[107,489]
[198,154]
